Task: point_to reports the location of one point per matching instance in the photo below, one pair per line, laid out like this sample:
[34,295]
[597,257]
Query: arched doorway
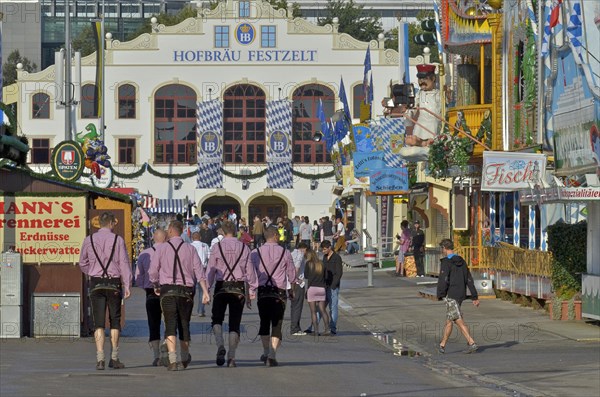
[271,206]
[217,205]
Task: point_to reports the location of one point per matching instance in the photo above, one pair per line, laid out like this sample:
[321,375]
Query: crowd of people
[290,231]
[173,271]
[216,258]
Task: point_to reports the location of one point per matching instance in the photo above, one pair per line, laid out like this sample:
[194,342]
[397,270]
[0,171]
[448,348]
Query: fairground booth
[43,222]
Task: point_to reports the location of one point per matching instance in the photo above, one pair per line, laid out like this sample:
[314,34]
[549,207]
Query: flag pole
[102,60]
[67,66]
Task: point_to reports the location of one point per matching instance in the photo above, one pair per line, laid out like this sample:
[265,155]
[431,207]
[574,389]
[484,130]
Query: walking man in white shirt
[203,252]
[297,301]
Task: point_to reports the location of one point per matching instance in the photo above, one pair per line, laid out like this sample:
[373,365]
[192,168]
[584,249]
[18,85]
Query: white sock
[218,332]
[234,340]
[100,355]
[115,353]
[155,346]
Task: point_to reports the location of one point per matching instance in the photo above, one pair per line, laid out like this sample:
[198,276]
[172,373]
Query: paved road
[520,349]
[384,348]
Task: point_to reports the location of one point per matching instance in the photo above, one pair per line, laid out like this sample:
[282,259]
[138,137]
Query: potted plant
[568,244]
[566,305]
[447,150]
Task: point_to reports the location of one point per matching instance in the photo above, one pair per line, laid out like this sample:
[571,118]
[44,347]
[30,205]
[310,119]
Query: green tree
[296,13]
[189,11]
[414,29]
[353,19]
[84,42]
[9,69]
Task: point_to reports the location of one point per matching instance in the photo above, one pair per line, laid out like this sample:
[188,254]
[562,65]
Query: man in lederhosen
[230,268]
[174,270]
[104,258]
[275,267]
[142,280]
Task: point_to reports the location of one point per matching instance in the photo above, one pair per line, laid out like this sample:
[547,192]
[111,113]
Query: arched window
[175,125]
[127,101]
[40,108]
[306,122]
[89,102]
[244,125]
[358,97]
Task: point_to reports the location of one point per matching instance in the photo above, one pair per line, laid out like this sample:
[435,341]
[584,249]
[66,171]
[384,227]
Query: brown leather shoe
[175,367]
[100,365]
[187,361]
[115,364]
[231,363]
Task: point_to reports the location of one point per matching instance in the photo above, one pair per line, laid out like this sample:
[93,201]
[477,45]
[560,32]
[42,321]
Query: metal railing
[385,249]
[508,258]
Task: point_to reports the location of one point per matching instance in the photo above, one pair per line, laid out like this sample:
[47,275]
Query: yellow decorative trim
[302,26]
[390,57]
[47,74]
[189,26]
[89,60]
[144,41]
[230,10]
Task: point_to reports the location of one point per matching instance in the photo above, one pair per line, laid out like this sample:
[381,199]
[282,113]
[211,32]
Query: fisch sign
[508,172]
[43,229]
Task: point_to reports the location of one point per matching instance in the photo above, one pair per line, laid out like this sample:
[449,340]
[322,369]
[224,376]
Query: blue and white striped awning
[170,206]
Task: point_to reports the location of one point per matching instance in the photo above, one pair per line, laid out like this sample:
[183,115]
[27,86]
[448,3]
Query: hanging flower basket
[447,151]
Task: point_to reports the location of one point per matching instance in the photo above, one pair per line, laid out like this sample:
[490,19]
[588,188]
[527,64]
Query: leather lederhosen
[269,290]
[229,285]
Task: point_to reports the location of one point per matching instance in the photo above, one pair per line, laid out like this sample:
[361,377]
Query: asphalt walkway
[386,346]
[520,348]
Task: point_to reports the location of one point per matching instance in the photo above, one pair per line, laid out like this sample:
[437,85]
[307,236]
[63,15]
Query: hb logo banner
[210,149]
[279,150]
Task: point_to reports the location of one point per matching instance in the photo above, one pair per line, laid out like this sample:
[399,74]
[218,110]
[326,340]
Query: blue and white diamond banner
[279,131]
[389,133]
[210,146]
[279,145]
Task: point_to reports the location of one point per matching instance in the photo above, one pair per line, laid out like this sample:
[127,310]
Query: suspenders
[112,253]
[229,275]
[270,275]
[177,263]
